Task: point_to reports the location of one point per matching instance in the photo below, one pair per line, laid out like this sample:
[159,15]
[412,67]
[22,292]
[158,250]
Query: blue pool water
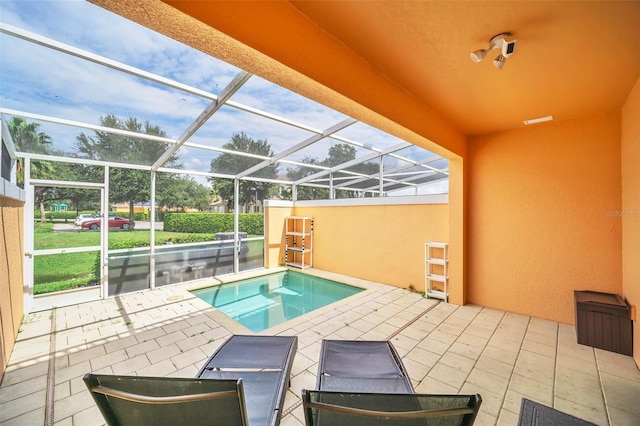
[260,303]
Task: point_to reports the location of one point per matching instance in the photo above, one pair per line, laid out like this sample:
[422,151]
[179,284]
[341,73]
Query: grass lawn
[45,238]
[56,272]
[65,271]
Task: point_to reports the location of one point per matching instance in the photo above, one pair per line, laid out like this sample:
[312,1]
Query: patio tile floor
[446,349]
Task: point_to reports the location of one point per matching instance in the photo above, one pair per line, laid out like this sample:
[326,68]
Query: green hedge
[68,216]
[251,223]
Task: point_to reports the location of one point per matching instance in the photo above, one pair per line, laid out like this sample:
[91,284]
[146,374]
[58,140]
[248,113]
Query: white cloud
[43,81]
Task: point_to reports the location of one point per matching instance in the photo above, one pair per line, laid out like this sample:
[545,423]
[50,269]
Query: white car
[82,217]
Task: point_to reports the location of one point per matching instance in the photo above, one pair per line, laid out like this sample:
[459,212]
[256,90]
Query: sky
[43,81]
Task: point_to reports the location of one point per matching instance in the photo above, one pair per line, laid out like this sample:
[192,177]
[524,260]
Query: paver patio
[446,349]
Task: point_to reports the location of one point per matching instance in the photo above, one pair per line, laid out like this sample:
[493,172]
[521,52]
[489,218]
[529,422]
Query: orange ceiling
[572,58]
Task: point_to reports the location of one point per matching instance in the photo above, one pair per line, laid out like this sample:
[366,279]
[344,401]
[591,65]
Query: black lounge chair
[394,409]
[264,365]
[243,383]
[365,383]
[133,400]
[535,414]
[361,366]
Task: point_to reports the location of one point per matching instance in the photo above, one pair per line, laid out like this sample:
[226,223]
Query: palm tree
[27,138]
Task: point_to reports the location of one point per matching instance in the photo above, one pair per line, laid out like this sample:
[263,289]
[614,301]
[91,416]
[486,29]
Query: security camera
[508,48]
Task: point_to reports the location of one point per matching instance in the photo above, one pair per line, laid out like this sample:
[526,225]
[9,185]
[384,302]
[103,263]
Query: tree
[233,164]
[27,138]
[80,199]
[184,192]
[337,154]
[304,192]
[340,153]
[127,185]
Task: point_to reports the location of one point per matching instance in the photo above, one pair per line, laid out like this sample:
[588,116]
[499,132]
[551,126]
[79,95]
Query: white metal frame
[217,102]
[333,178]
[29,241]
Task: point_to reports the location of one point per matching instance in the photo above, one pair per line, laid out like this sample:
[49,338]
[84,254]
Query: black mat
[533,413]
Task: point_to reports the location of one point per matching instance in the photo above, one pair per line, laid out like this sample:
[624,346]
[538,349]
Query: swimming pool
[262,302]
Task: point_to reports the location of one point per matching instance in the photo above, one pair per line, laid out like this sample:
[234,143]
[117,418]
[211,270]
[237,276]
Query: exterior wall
[11,266]
[274,232]
[540,216]
[631,208]
[457,231]
[383,243]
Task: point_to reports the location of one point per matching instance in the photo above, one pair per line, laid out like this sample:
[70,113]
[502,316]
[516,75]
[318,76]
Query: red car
[114,222]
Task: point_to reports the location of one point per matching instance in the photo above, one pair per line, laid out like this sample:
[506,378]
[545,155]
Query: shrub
[68,216]
[251,223]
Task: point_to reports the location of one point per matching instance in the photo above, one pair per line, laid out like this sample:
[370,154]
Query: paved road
[70,227]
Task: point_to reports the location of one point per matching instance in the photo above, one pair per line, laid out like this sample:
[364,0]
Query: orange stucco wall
[11,266]
[382,243]
[541,221]
[457,231]
[274,218]
[631,207]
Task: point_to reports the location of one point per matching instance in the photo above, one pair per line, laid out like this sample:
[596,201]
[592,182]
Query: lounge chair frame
[243,383]
[139,400]
[346,408]
[264,363]
[361,366]
[365,382]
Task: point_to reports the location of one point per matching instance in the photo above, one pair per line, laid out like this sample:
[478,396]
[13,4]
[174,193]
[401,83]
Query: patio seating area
[445,348]
[380,121]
